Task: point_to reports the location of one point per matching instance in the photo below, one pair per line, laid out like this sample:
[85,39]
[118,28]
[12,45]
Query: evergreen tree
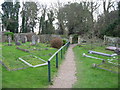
[10,16]
[29,17]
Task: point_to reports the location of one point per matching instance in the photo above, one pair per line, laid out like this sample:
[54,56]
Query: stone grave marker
[38,41]
[17,39]
[33,39]
[79,40]
[9,41]
[24,39]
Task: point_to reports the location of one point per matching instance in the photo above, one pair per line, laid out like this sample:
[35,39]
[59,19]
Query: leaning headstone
[9,41]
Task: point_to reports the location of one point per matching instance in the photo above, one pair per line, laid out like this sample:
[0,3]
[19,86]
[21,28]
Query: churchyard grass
[29,77]
[91,77]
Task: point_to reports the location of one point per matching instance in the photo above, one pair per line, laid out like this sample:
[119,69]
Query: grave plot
[11,55]
[43,51]
[10,60]
[33,61]
[109,57]
[109,67]
[114,61]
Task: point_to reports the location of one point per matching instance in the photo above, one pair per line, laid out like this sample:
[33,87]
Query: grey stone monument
[79,40]
[17,39]
[33,39]
[9,41]
[24,39]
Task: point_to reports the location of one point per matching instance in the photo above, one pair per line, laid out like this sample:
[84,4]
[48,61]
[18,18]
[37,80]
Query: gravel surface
[67,70]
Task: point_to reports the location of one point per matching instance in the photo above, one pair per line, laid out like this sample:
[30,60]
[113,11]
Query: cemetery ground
[89,76]
[26,77]
[29,77]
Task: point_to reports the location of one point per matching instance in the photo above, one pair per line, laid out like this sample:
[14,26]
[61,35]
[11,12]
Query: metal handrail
[57,52]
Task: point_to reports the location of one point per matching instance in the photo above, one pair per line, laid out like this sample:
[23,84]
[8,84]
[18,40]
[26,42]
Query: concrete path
[66,73]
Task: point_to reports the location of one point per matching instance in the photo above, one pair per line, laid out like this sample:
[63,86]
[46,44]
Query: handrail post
[64,50]
[49,72]
[61,53]
[57,60]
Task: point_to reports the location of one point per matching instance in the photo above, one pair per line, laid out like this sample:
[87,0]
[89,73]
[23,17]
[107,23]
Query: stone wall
[45,38]
[3,38]
[28,35]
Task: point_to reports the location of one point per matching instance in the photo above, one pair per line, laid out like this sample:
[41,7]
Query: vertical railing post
[61,53]
[49,72]
[57,60]
[64,50]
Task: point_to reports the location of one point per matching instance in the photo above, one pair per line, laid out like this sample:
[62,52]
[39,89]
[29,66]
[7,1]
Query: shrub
[56,43]
[9,33]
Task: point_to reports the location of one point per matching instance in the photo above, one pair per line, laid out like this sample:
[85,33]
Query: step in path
[67,70]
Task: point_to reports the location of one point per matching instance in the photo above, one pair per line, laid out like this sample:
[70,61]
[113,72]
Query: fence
[61,51]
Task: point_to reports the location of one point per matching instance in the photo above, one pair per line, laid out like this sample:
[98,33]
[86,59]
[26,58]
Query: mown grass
[89,77]
[33,60]
[11,54]
[29,77]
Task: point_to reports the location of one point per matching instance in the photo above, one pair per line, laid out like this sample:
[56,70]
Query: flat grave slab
[112,48]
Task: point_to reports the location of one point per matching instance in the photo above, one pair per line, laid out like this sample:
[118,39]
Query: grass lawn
[29,77]
[32,60]
[89,77]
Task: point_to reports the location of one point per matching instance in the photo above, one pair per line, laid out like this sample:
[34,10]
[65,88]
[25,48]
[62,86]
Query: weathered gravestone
[17,39]
[24,39]
[38,41]
[34,40]
[37,38]
[9,41]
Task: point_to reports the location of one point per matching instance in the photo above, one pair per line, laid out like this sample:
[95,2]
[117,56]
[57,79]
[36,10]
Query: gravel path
[66,73]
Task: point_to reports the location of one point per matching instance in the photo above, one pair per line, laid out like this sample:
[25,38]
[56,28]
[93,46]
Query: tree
[46,21]
[49,27]
[74,16]
[42,21]
[10,16]
[29,16]
[108,24]
[119,11]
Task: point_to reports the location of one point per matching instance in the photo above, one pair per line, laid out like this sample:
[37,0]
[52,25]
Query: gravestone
[24,39]
[33,40]
[17,40]
[79,40]
[9,41]
[38,41]
[36,38]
